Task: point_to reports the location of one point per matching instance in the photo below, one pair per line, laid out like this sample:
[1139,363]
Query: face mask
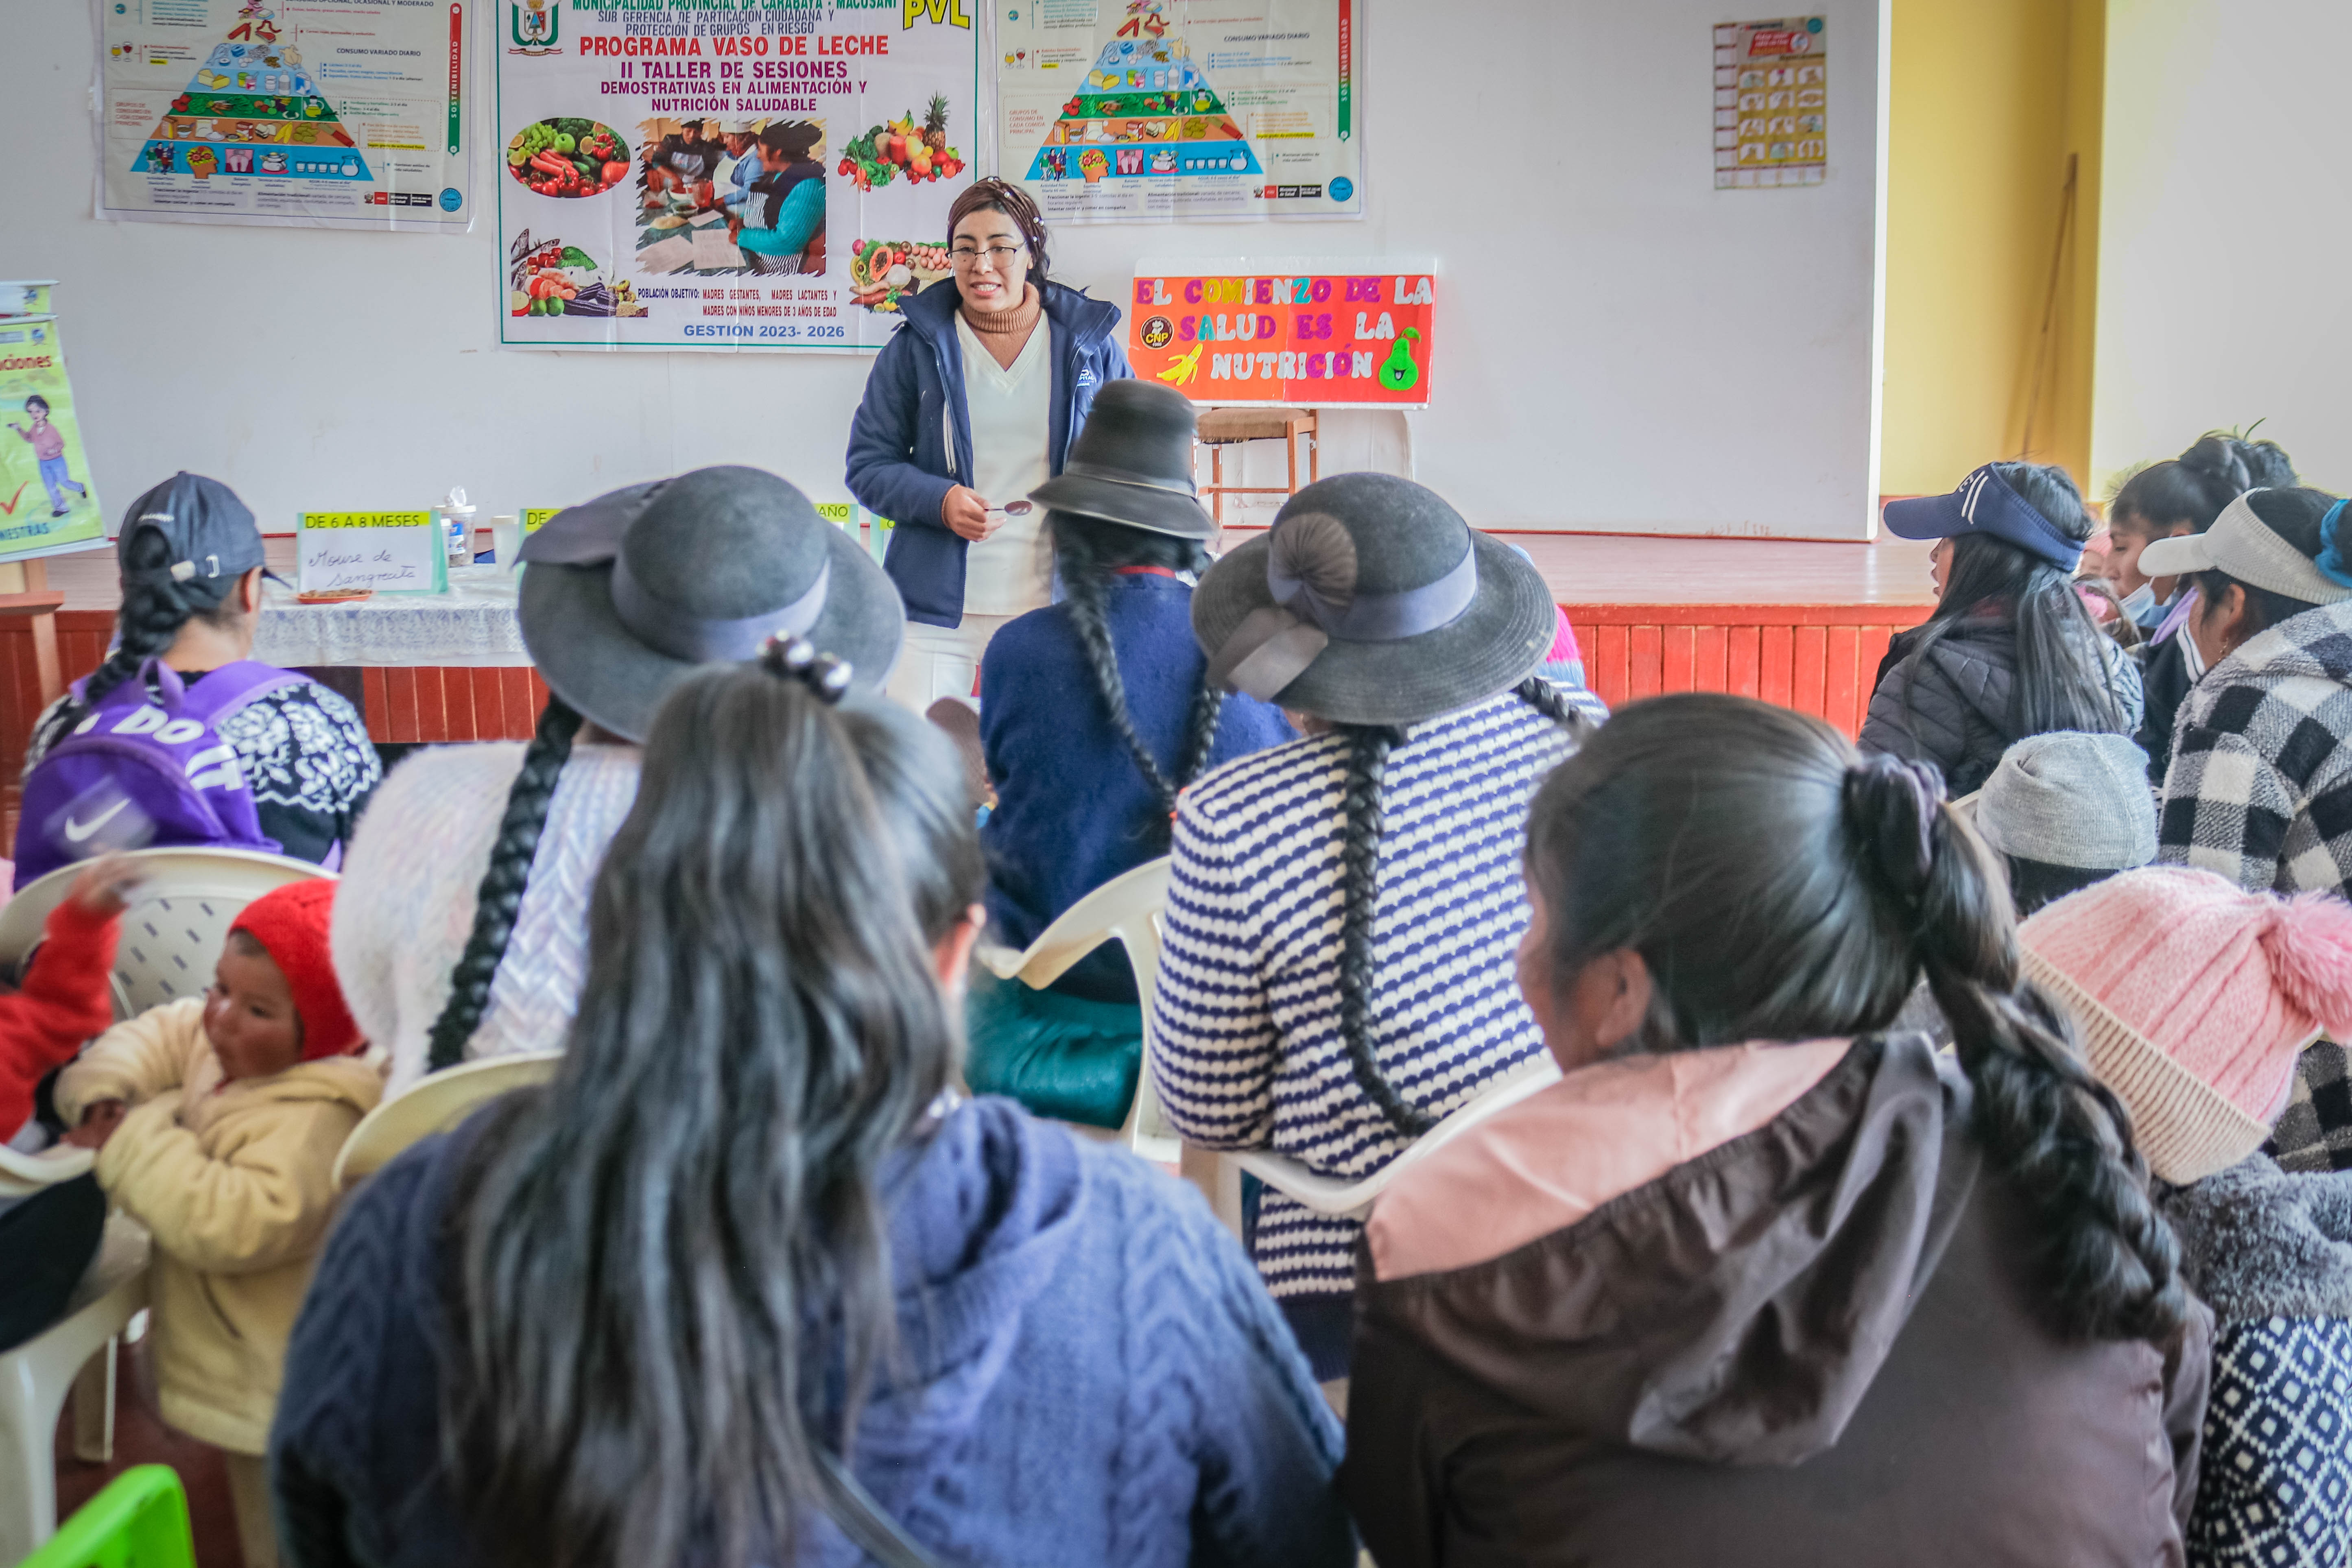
[2139,601]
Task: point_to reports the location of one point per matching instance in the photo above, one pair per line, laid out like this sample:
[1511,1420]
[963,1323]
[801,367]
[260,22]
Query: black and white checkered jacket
[2259,788]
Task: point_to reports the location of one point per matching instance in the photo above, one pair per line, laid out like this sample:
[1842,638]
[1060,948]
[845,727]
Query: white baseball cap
[2241,544]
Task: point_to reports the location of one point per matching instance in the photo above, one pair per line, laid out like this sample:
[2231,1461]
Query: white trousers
[942,662]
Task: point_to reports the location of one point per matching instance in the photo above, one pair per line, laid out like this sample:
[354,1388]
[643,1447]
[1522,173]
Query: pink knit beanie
[2195,997]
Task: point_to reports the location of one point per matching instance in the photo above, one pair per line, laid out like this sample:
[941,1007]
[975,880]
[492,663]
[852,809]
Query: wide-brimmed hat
[1132,464]
[1370,601]
[630,593]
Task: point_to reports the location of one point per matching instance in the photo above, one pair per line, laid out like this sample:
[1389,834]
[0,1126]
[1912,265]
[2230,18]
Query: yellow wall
[1989,97]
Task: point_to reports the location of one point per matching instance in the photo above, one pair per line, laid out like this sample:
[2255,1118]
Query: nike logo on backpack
[78,831]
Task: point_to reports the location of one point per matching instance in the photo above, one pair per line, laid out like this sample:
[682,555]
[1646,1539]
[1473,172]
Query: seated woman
[1756,1281]
[191,568]
[476,948]
[1337,973]
[784,207]
[813,1298]
[2009,651]
[2195,998]
[2260,785]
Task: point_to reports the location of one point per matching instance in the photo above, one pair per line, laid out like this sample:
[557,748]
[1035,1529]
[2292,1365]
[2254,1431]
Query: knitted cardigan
[1092,1375]
[1246,1045]
[405,907]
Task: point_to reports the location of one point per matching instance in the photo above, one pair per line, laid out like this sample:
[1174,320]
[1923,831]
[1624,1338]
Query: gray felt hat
[1132,464]
[628,594]
[2071,798]
[1370,600]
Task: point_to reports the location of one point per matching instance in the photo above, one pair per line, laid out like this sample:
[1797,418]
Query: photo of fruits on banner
[729,182]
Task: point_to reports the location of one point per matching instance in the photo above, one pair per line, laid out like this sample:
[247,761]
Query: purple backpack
[142,770]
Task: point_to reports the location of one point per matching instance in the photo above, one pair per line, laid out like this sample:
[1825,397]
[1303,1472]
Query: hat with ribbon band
[1370,600]
[1984,504]
[1132,464]
[628,594]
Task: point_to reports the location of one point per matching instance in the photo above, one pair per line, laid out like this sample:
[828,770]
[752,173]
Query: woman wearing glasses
[970,407]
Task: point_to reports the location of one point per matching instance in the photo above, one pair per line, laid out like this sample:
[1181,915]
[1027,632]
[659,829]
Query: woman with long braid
[462,931]
[1337,974]
[1758,1279]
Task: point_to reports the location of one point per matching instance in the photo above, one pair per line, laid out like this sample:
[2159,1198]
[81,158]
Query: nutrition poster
[48,500]
[1314,334]
[1771,103]
[728,174]
[327,113]
[1121,111]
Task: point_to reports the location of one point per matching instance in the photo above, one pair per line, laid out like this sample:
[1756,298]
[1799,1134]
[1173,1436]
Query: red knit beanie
[291,923]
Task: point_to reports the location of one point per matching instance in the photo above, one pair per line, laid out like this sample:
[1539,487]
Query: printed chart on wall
[48,500]
[327,113]
[728,174]
[1771,103]
[1121,111]
[1314,334]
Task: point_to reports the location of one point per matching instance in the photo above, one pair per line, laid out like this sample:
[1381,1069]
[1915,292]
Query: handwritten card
[390,552]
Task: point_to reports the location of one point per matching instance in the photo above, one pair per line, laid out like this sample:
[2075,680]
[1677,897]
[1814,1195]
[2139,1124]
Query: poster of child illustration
[48,502]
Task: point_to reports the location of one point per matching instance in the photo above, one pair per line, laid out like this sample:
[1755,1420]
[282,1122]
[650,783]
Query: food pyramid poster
[252,109]
[1145,109]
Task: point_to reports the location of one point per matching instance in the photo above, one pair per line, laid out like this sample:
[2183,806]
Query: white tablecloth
[472,625]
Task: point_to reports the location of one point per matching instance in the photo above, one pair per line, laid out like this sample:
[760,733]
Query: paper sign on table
[390,552]
[534,518]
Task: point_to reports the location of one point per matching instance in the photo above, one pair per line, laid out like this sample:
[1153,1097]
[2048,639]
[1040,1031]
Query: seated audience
[50,1236]
[121,778]
[217,1121]
[475,948]
[2259,786]
[2195,997]
[741,1281]
[2009,651]
[1337,972]
[1757,1281]
[2064,810]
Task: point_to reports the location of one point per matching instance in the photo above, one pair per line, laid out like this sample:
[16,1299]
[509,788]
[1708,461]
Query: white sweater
[405,907]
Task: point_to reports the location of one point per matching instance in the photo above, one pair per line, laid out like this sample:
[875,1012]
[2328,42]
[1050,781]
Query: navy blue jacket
[1072,809]
[911,442]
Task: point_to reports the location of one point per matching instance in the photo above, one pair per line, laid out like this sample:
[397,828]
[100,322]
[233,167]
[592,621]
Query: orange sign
[1320,339]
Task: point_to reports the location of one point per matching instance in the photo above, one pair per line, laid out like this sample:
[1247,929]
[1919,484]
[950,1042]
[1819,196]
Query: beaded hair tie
[792,657]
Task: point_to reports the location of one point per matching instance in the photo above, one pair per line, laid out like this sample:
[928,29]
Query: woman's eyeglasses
[998,254]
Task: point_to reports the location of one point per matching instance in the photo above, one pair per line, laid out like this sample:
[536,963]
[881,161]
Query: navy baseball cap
[211,532]
[1984,504]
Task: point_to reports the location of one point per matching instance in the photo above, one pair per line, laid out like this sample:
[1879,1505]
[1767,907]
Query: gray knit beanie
[2070,798]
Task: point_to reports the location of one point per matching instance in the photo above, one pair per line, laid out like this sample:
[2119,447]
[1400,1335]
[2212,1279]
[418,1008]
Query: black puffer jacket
[1953,706]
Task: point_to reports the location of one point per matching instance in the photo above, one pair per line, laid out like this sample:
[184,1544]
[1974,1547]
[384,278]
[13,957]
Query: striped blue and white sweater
[1245,1016]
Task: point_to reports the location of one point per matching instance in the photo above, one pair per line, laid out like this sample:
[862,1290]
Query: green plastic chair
[139,1521]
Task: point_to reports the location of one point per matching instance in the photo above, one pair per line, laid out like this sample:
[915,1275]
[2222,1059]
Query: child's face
[250,1012]
[2128,534]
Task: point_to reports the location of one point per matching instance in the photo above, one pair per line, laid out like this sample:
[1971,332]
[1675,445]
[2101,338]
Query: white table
[472,625]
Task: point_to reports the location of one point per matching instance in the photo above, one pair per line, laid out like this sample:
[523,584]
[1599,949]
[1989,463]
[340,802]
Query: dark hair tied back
[1891,806]
[154,610]
[792,658]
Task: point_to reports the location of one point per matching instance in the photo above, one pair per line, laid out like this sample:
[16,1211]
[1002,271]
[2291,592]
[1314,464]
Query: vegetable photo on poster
[1128,111]
[729,174]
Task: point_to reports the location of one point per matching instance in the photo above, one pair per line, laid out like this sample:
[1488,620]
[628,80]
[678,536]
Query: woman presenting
[970,407]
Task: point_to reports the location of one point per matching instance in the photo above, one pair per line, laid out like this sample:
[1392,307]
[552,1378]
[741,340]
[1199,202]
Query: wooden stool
[1223,428]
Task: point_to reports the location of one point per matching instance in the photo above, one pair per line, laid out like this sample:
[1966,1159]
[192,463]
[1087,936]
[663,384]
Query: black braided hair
[1360,863]
[500,898]
[1087,553]
[154,613]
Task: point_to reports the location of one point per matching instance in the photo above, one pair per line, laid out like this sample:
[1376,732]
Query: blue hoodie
[1096,1375]
[910,441]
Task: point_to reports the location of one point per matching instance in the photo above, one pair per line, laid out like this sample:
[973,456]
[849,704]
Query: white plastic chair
[1344,1199]
[1127,910]
[434,1103]
[172,933]
[36,1375]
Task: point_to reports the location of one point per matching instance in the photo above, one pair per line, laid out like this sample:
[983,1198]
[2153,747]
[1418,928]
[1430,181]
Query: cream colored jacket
[235,1181]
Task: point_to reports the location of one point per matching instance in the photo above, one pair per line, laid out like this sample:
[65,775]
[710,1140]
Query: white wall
[2225,232]
[1624,347]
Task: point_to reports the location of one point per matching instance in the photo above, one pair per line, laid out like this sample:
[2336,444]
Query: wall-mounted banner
[48,502]
[1313,334]
[324,113]
[728,174]
[1771,103]
[1165,110]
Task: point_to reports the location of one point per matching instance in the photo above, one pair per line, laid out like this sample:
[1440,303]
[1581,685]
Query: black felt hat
[629,594]
[1370,600]
[1133,464]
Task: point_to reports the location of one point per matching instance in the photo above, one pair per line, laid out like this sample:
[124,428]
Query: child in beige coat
[218,1120]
